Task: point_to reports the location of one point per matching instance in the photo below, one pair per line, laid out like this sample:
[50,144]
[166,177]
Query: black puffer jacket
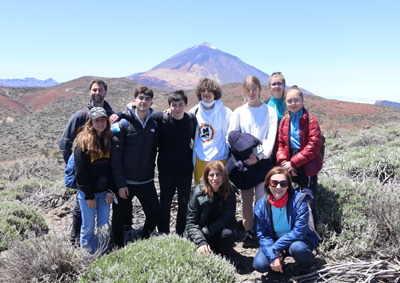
[198,212]
[134,149]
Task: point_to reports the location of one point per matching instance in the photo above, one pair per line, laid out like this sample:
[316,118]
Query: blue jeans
[301,251]
[88,239]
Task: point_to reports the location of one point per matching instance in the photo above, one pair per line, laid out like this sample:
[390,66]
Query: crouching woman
[282,225]
[93,178]
[211,210]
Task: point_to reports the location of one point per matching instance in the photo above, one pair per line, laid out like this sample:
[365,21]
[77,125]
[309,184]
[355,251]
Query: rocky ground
[59,220]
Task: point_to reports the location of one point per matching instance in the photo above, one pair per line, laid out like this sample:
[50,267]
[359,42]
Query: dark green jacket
[198,212]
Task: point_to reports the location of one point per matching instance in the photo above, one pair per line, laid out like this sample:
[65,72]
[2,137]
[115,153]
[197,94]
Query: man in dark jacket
[132,162]
[175,166]
[97,91]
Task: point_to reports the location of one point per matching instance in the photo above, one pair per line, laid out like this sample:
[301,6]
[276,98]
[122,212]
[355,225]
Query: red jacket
[310,144]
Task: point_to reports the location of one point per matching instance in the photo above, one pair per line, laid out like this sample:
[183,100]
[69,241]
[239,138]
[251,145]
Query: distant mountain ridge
[388,103]
[28,82]
[183,70]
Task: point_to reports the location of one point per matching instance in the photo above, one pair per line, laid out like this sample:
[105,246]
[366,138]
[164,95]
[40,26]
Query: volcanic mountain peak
[183,70]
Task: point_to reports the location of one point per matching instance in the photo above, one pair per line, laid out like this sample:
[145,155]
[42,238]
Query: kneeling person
[211,211]
[174,162]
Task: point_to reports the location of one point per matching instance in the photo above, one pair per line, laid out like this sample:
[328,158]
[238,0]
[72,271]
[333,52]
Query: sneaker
[249,240]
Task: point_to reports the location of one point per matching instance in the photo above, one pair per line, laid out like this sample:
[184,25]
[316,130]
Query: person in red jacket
[300,142]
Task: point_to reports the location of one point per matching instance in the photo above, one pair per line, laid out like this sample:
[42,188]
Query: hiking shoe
[249,240]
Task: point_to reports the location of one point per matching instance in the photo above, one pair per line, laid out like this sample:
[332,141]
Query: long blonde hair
[88,141]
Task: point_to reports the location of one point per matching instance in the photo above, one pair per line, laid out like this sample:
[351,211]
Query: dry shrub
[45,259]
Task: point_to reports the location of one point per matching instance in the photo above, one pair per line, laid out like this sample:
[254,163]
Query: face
[215,179]
[178,109]
[252,92]
[277,87]
[97,92]
[143,102]
[278,192]
[99,124]
[206,95]
[293,101]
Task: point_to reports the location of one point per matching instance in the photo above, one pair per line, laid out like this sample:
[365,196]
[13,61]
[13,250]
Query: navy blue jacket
[134,149]
[241,146]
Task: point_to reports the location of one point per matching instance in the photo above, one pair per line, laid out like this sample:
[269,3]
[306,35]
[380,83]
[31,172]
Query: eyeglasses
[274,183]
[295,101]
[206,90]
[277,84]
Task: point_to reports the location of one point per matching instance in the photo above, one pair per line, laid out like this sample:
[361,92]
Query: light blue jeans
[88,239]
[301,251]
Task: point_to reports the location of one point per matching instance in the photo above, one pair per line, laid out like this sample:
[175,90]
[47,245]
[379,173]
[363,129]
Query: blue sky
[347,50]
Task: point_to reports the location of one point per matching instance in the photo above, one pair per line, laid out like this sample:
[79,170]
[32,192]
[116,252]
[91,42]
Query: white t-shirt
[211,132]
[261,122]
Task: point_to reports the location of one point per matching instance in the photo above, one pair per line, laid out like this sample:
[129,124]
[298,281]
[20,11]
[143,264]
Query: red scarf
[280,202]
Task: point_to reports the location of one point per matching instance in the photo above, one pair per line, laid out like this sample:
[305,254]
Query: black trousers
[77,222]
[306,182]
[221,241]
[147,195]
[168,185]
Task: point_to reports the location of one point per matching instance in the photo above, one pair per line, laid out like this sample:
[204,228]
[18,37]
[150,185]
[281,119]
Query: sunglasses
[277,84]
[274,183]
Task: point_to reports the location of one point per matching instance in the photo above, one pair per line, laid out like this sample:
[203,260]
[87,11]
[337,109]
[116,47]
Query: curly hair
[210,85]
[88,141]
[224,189]
[274,171]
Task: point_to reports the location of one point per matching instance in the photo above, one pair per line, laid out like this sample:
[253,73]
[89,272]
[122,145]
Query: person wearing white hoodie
[212,126]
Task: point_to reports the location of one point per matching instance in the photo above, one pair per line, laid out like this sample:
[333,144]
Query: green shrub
[159,259]
[357,219]
[18,221]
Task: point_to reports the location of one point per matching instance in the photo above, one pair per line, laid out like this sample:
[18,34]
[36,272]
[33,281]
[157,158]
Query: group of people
[259,148]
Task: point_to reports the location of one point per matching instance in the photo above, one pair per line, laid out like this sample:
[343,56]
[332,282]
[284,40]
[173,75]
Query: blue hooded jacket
[298,217]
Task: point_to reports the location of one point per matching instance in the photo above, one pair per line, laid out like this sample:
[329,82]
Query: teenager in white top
[212,126]
[260,120]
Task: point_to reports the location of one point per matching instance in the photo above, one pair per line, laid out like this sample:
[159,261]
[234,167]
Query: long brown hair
[88,141]
[224,190]
[250,80]
[274,171]
[292,88]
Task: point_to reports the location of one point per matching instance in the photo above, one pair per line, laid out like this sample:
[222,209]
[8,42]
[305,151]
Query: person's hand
[204,249]
[109,198]
[250,162]
[276,265]
[288,167]
[168,111]
[113,118]
[123,192]
[91,203]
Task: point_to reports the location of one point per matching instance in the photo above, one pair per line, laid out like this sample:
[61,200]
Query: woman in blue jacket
[282,225]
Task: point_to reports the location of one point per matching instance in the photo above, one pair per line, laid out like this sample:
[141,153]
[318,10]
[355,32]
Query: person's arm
[299,230]
[82,173]
[269,140]
[193,216]
[234,124]
[71,130]
[313,146]
[117,151]
[225,219]
[281,153]
[263,231]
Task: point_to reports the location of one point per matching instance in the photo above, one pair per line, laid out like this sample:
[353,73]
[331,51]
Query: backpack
[69,172]
[322,150]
